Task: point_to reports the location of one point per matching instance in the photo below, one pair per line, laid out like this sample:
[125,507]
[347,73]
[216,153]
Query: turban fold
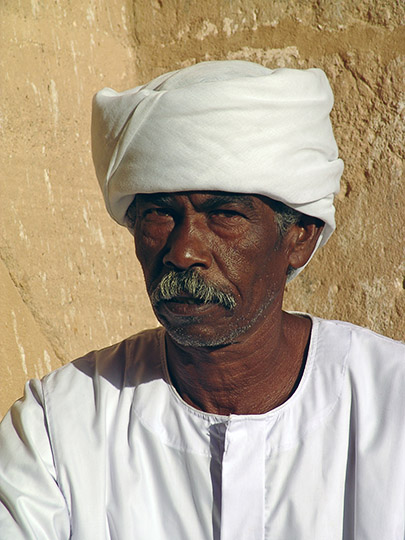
[220,126]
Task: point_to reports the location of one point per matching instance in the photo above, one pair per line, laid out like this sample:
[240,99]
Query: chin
[185,337]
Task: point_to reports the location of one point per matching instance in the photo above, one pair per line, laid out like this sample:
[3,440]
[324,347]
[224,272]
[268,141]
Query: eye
[156,214]
[154,224]
[226,214]
[225,220]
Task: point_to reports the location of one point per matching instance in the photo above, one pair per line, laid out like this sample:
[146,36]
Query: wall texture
[69,279]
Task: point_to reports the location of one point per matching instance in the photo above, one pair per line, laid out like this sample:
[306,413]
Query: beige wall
[69,281]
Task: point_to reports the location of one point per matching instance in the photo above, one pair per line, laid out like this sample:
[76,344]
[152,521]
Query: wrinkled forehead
[221,196]
[204,199]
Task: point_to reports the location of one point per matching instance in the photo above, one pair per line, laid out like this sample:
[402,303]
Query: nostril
[185,260]
[170,265]
[187,253]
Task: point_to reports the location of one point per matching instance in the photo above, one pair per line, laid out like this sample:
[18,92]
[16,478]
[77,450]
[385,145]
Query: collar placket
[243,480]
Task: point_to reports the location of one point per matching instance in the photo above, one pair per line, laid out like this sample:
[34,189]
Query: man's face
[230,241]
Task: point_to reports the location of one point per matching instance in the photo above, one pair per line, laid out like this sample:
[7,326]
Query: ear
[301,240]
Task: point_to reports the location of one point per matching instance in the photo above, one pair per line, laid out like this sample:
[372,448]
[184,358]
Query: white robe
[105,449]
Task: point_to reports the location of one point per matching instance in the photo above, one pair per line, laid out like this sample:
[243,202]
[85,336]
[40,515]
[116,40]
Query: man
[235,420]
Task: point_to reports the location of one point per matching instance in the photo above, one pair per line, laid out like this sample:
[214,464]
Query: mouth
[188,288]
[185,299]
[187,306]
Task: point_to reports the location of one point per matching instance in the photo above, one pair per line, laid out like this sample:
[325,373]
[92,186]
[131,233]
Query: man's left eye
[226,213]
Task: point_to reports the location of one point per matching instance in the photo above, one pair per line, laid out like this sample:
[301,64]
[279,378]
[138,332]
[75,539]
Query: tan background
[68,278]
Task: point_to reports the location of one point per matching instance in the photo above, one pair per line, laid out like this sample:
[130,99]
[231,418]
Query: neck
[252,376]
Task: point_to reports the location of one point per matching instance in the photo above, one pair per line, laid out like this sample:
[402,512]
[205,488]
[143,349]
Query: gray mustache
[191,283]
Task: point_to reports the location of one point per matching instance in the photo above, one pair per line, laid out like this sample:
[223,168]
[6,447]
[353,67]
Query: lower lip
[185,308]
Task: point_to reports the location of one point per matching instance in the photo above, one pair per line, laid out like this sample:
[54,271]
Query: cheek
[253,269]
[153,232]
[151,237]
[239,263]
[149,252]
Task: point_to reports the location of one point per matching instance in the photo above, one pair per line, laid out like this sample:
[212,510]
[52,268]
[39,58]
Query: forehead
[204,199]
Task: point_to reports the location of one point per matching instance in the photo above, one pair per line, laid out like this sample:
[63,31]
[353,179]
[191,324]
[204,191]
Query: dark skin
[244,360]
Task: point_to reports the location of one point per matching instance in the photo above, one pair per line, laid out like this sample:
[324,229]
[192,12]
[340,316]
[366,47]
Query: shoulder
[359,342]
[116,363]
[82,400]
[372,365]
[101,376]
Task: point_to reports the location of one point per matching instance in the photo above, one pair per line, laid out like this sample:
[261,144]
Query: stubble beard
[191,283]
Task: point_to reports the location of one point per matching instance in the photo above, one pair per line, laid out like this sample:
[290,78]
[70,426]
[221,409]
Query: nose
[187,247]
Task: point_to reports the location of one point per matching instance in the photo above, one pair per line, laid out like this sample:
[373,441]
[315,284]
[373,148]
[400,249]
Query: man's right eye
[156,212]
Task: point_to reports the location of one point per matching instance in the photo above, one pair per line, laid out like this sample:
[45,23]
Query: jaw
[195,324]
[211,325]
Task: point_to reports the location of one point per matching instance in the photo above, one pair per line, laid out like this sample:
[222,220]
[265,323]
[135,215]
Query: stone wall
[69,279]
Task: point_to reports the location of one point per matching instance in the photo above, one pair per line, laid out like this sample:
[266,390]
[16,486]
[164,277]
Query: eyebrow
[216,200]
[220,200]
[160,199]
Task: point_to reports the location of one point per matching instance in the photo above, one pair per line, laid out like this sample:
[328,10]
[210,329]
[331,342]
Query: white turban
[220,126]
